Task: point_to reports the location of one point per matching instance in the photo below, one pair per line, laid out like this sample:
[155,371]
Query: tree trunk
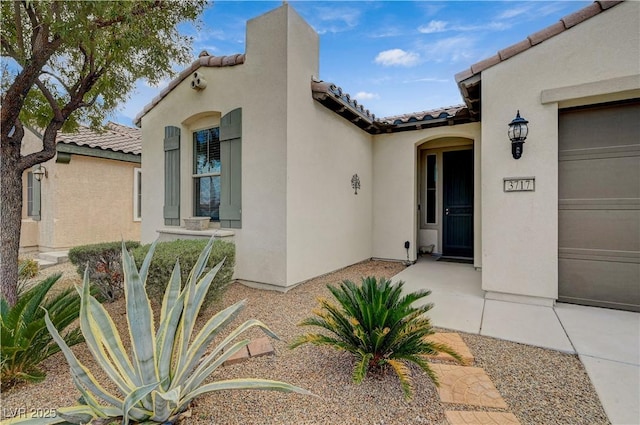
[11,214]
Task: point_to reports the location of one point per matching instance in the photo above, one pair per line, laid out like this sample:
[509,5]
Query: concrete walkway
[606,341]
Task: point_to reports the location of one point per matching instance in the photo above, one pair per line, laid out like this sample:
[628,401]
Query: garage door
[599,206]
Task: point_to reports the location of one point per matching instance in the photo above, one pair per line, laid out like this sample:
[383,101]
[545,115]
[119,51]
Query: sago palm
[380,326]
[24,339]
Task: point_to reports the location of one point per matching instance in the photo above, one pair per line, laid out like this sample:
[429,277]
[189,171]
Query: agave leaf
[144,269]
[140,321]
[83,375]
[234,334]
[171,293]
[192,305]
[207,367]
[134,397]
[99,331]
[213,326]
[165,339]
[243,384]
[164,403]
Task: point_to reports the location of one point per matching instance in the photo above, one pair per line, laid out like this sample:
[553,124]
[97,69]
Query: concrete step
[55,256]
[43,264]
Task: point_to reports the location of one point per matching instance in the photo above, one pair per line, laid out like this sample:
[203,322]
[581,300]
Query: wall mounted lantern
[40,172]
[518,133]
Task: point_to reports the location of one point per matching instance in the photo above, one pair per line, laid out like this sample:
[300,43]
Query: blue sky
[395,56]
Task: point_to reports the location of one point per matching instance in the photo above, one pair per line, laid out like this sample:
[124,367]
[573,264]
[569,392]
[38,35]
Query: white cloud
[433,27]
[363,95]
[397,57]
[516,11]
[335,19]
[451,49]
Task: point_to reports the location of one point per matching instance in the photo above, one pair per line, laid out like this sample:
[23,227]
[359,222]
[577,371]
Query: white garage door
[599,205]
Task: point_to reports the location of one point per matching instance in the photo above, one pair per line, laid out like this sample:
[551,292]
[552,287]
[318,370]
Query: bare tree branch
[58,79]
[18,22]
[52,101]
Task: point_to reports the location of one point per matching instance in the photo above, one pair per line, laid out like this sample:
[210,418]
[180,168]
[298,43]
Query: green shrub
[168,366]
[103,261]
[187,252]
[27,268]
[379,325]
[24,339]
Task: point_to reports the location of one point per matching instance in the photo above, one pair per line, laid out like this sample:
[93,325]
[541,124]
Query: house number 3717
[520,184]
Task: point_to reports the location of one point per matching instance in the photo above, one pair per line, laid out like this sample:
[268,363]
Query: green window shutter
[231,169]
[33,196]
[171,176]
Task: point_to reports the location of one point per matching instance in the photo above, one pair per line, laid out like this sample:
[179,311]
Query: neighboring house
[89,194]
[274,156]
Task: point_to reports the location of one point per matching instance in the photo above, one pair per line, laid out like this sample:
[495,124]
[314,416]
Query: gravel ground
[540,386]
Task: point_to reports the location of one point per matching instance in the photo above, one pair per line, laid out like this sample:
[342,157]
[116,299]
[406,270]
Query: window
[137,194]
[30,180]
[431,189]
[206,173]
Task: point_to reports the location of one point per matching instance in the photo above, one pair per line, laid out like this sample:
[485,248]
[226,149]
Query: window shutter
[34,185]
[171,176]
[231,169]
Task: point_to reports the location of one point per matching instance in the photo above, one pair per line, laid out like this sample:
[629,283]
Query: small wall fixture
[197,82]
[355,183]
[518,131]
[40,172]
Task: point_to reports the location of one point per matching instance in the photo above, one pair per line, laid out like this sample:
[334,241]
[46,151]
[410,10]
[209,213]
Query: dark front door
[457,220]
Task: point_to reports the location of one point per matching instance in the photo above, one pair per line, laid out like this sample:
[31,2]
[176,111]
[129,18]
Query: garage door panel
[599,205]
[592,128]
[599,229]
[618,286]
[599,178]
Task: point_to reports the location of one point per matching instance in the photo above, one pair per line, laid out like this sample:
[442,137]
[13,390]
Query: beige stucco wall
[89,200]
[395,182]
[297,158]
[520,230]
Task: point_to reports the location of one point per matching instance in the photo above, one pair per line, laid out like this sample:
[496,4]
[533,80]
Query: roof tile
[203,60]
[478,67]
[581,15]
[433,114]
[545,34]
[514,49]
[463,75]
[116,137]
[607,4]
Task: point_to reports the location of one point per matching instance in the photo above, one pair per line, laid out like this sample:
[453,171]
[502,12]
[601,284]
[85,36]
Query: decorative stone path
[454,341]
[256,348]
[469,386]
[473,418]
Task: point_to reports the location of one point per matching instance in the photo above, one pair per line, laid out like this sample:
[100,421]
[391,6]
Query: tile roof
[204,59]
[538,37]
[469,79]
[334,98]
[116,137]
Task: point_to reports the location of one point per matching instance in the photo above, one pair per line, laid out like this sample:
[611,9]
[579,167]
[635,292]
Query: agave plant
[24,339]
[379,326]
[169,363]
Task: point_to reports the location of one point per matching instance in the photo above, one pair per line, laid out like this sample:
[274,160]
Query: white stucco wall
[297,158]
[328,226]
[520,230]
[395,177]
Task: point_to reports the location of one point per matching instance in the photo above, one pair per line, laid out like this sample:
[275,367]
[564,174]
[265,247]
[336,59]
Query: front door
[457,182]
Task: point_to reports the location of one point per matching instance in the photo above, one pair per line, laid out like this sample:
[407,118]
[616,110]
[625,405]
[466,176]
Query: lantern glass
[518,129]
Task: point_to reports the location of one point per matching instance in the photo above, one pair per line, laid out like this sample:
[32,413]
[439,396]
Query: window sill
[172,233]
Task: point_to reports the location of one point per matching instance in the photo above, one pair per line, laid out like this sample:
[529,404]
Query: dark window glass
[431,189]
[206,162]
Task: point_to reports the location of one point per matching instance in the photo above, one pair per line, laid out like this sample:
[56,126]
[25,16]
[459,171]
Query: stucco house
[305,180]
[88,193]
